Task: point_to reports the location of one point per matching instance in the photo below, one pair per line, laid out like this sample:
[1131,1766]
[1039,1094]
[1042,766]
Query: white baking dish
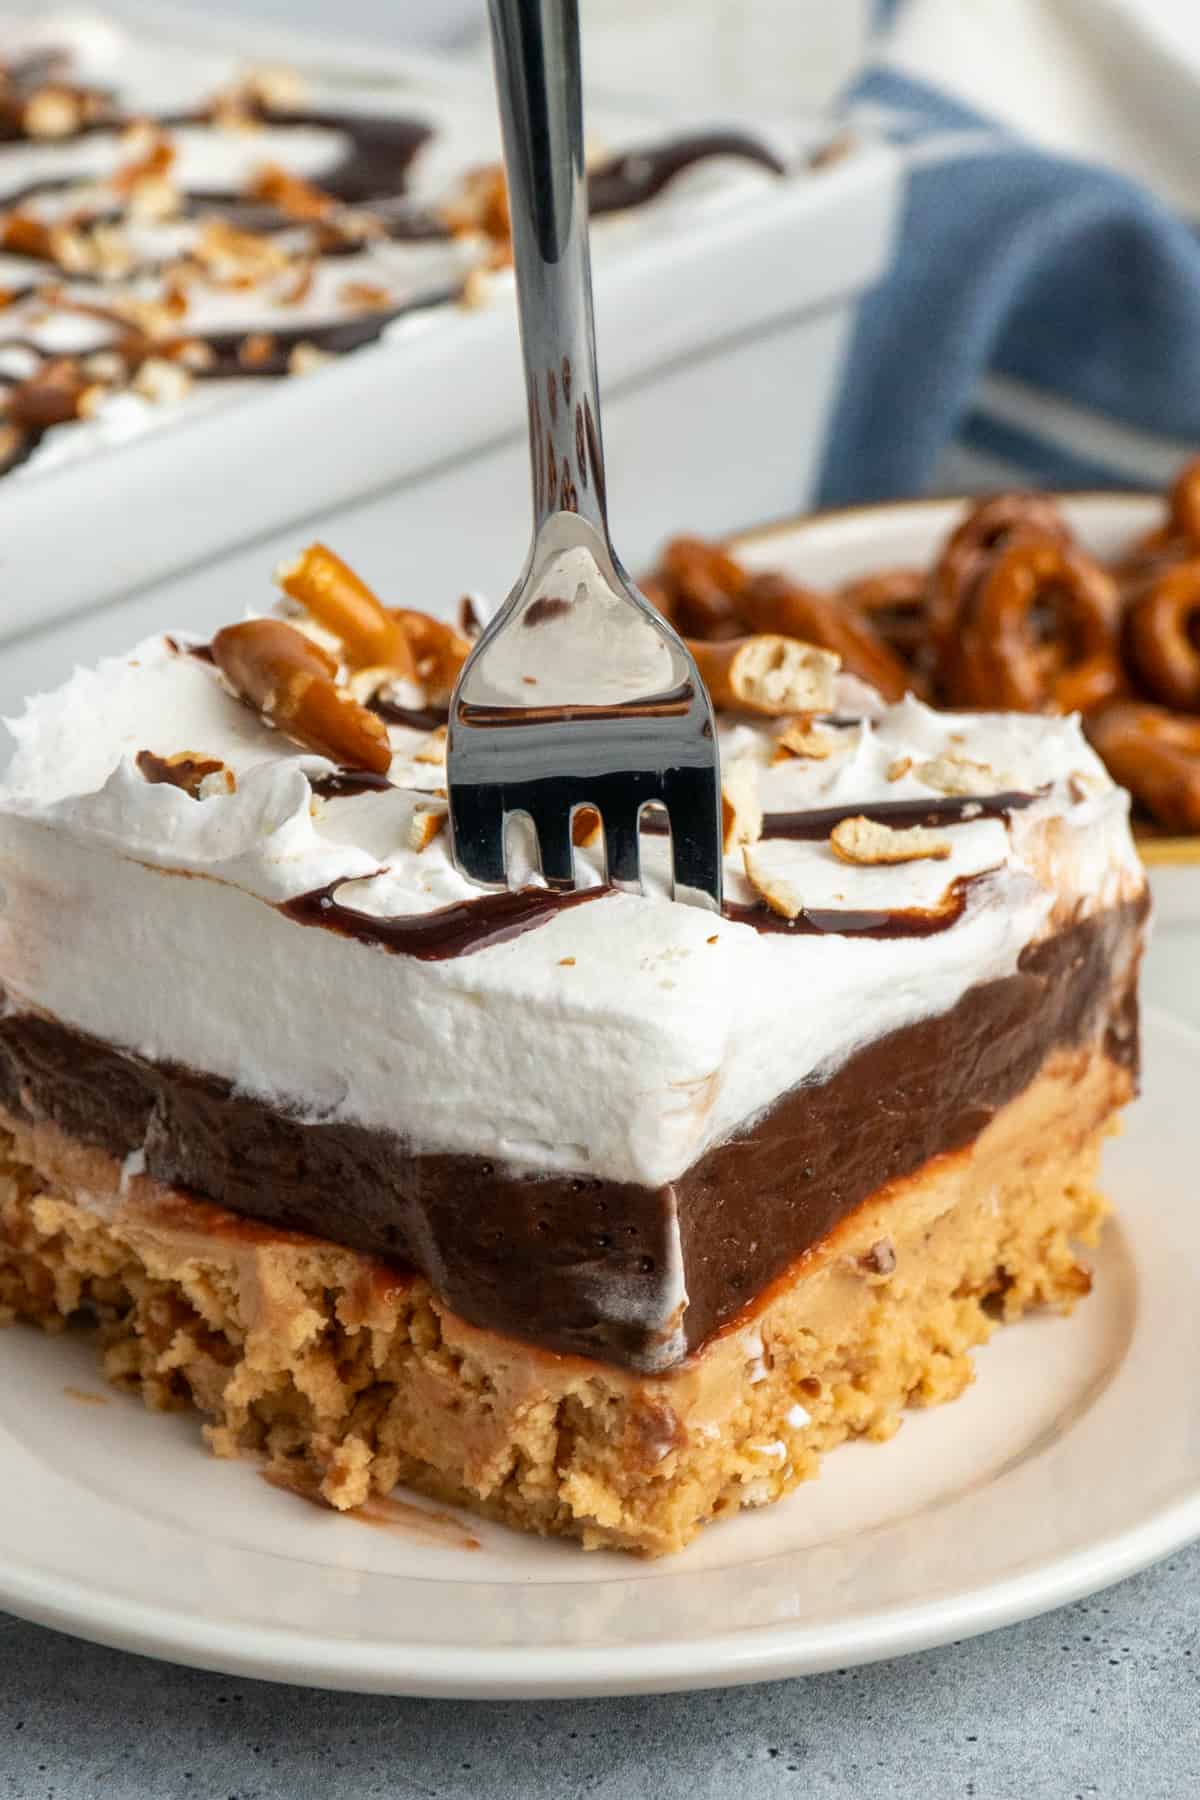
[722,329]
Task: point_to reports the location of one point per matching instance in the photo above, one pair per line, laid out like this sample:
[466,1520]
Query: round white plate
[1072,1461]
[833,547]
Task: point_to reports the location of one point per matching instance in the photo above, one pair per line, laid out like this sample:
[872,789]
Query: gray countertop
[1096,1702]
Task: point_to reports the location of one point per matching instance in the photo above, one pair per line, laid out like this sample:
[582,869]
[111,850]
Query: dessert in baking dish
[176,230]
[600,1214]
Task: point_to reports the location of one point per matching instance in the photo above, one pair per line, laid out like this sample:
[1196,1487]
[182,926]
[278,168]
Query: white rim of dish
[722,1660]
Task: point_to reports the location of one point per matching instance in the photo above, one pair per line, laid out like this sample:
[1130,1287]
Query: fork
[578,694]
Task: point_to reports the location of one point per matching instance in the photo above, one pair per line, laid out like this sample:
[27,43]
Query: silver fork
[578,694]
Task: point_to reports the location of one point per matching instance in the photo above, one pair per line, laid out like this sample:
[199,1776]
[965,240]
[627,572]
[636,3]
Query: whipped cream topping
[405,274]
[620,1038]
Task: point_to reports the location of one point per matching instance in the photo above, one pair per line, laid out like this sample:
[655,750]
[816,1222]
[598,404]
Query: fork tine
[692,799]
[477,823]
[553,826]
[622,847]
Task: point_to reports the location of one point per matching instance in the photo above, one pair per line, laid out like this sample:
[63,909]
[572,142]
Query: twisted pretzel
[1006,662]
[1176,540]
[1183,502]
[987,529]
[702,584]
[772,603]
[1156,755]
[1163,636]
[1152,555]
[896,602]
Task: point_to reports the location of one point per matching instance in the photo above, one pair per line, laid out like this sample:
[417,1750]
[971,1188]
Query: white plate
[1073,1461]
[833,547]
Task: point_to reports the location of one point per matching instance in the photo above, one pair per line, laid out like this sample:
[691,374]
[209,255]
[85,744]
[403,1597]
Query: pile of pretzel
[1014,614]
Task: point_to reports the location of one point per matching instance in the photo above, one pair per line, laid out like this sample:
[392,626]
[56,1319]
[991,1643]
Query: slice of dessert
[596,1213]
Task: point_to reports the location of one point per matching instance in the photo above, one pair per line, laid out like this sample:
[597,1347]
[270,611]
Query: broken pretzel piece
[867,842]
[335,597]
[290,680]
[424,826]
[586,827]
[951,774]
[741,805]
[481,205]
[769,884]
[198,775]
[801,738]
[768,674]
[438,651]
[433,749]
[294,196]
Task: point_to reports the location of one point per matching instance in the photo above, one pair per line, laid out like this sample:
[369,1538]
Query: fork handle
[535,44]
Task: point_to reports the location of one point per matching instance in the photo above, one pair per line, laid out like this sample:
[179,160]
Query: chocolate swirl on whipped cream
[449,931]
[343,784]
[815,823]
[471,925]
[416,718]
[844,921]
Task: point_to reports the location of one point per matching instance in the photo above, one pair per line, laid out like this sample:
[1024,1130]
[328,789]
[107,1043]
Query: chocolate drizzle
[417,718]
[255,355]
[380,151]
[817,822]
[471,925]
[199,652]
[344,783]
[640,175]
[450,931]
[904,922]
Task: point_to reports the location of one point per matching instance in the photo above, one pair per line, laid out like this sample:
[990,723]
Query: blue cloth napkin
[1040,322]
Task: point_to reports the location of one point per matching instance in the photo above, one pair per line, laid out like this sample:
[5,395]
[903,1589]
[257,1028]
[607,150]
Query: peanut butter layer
[349,1378]
[570,1262]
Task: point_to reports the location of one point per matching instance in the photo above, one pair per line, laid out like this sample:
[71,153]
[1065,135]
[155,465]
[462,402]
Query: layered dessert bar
[600,1214]
[178,229]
